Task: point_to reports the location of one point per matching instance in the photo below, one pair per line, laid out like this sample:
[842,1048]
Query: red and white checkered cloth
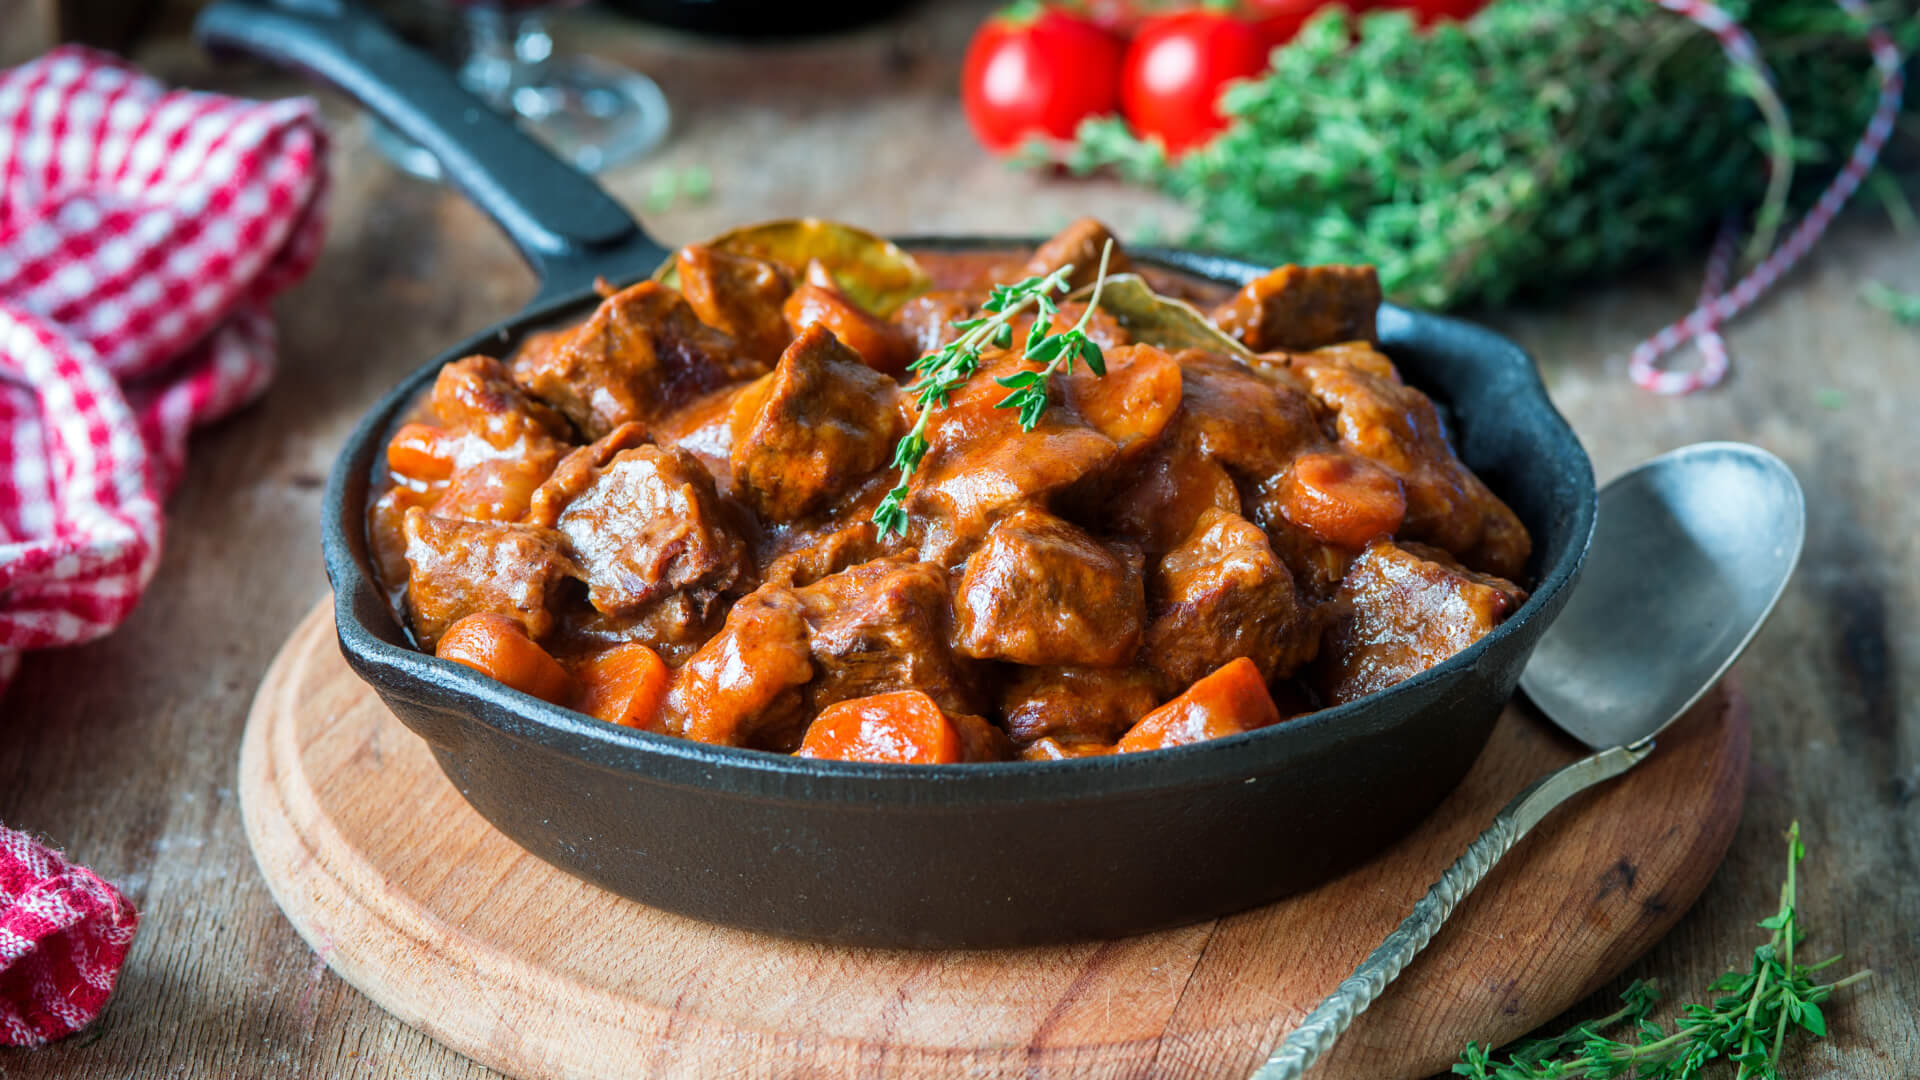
[142,234]
[63,935]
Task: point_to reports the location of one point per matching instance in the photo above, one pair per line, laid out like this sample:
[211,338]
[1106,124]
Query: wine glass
[593,113]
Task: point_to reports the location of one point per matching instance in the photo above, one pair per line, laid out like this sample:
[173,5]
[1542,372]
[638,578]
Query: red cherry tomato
[1038,71]
[1176,68]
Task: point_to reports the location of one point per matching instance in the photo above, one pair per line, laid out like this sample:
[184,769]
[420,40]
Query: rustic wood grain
[411,896]
[123,751]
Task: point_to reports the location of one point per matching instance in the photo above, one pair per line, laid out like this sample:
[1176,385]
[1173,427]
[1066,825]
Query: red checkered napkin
[63,935]
[142,234]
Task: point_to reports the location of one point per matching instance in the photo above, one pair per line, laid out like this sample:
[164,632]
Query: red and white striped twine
[1701,326]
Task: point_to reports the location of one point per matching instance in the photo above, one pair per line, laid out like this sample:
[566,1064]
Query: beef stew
[662,518]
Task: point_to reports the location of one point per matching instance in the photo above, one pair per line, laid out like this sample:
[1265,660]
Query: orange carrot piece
[905,727]
[498,646]
[419,452]
[625,685]
[1230,700]
[1343,499]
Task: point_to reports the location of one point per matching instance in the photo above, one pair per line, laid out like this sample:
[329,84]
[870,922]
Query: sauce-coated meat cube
[743,687]
[1223,593]
[885,625]
[493,448]
[822,422]
[643,354]
[1380,418]
[649,523]
[458,568]
[739,295]
[1076,704]
[1040,590]
[1402,609]
[1303,307]
[980,463]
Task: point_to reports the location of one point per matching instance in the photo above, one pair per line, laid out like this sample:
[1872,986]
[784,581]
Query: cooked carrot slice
[498,646]
[420,452]
[1230,700]
[624,685]
[1343,499]
[904,727]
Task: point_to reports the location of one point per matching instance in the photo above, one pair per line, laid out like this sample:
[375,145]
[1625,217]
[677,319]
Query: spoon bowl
[1690,553]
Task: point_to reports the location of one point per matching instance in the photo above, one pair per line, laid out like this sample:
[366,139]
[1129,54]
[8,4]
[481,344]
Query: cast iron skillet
[923,856]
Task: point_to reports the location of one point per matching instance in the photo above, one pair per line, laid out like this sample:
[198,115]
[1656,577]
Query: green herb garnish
[1746,1026]
[943,372]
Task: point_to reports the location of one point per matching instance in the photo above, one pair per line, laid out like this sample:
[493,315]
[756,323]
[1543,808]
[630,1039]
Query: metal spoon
[1690,552]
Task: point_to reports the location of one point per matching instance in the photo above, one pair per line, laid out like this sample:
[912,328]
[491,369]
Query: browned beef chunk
[1296,307]
[1224,594]
[822,422]
[1042,591]
[648,524]
[704,428]
[882,626]
[1253,424]
[477,396]
[981,464]
[457,568]
[1076,704]
[739,295]
[1159,500]
[928,319]
[1136,399]
[1402,609]
[1080,244]
[743,687]
[807,558]
[672,626]
[1394,425]
[498,444]
[642,355]
[578,471]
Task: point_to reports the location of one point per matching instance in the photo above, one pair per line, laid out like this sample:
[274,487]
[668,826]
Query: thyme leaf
[942,372]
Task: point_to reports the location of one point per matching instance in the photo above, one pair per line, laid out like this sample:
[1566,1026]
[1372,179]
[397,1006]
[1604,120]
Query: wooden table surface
[123,751]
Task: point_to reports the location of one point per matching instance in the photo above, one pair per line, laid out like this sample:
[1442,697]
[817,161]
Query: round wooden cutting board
[411,897]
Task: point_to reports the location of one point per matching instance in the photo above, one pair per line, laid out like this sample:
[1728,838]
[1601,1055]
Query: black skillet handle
[567,227]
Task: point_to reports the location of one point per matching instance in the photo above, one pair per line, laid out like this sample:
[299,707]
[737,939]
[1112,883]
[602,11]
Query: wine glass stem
[506,49]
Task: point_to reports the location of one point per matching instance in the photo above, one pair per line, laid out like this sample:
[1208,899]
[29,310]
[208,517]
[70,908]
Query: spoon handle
[1316,1034]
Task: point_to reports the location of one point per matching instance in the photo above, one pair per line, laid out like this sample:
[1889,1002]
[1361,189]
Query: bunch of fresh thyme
[943,372]
[1746,1026]
[1537,144]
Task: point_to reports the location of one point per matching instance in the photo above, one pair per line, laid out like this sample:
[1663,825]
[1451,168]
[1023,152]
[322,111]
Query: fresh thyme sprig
[1746,1026]
[943,372]
[1055,351]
